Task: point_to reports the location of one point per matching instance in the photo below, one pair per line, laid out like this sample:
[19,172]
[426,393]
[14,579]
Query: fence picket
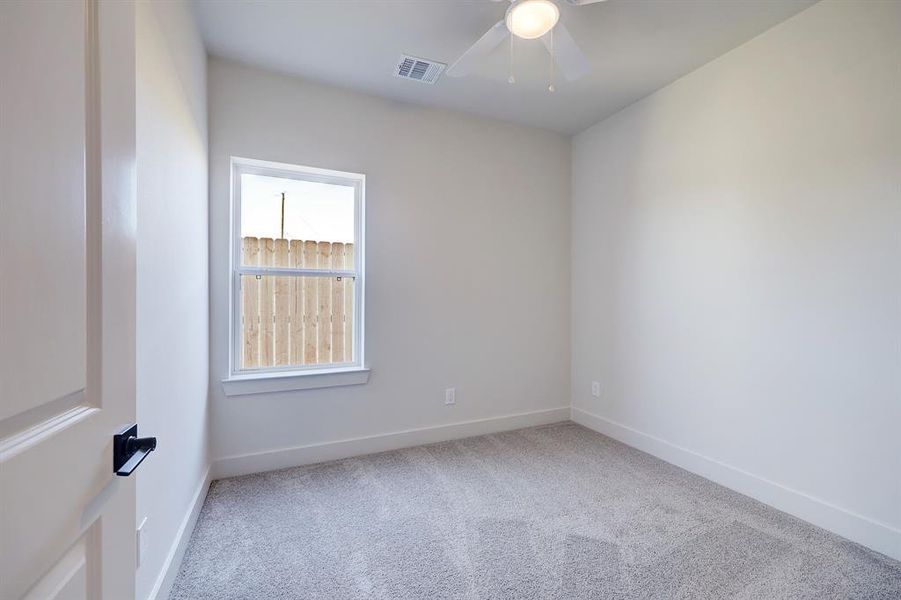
[337,307]
[324,350]
[250,297]
[310,322]
[296,304]
[348,313]
[267,304]
[282,321]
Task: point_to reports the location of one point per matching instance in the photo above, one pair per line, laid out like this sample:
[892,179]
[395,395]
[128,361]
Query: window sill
[265,383]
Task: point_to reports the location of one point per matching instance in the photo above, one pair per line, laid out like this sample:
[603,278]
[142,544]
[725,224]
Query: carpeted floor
[541,513]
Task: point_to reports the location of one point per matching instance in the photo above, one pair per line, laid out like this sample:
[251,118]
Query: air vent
[419,69]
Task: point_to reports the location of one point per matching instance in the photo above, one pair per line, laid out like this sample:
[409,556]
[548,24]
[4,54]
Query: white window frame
[270,379]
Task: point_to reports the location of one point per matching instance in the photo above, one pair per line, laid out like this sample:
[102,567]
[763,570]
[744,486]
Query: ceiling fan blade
[478,51]
[566,52]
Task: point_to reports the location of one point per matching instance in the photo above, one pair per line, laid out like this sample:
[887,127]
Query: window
[297,270]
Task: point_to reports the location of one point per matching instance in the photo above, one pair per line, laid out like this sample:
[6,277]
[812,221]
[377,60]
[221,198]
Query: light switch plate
[140,542]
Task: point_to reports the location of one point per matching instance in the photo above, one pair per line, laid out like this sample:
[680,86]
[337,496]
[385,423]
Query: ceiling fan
[530,19]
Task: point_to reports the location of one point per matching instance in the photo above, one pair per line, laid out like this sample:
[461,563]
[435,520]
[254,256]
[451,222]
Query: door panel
[44,517]
[68,579]
[42,294]
[67,297]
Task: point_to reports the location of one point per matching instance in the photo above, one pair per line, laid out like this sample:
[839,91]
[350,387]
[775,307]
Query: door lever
[129,450]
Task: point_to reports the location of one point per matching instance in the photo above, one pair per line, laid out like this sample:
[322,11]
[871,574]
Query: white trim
[240,166]
[858,528]
[22,441]
[163,585]
[270,460]
[265,382]
[268,167]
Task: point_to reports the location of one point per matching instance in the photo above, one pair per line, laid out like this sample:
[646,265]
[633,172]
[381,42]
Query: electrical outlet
[595,389]
[140,543]
[450,396]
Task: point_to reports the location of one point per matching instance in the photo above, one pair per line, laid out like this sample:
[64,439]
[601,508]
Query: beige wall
[736,283]
[467,259]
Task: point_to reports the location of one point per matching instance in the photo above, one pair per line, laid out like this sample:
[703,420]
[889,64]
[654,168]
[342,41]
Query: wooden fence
[296,320]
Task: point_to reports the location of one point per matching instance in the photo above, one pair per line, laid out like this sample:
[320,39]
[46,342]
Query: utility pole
[283,215]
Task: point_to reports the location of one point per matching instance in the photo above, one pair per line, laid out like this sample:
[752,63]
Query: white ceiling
[634,47]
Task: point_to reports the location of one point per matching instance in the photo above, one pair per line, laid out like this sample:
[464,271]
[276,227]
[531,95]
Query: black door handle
[129,450]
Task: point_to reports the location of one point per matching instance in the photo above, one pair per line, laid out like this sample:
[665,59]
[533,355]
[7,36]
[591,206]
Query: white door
[67,297]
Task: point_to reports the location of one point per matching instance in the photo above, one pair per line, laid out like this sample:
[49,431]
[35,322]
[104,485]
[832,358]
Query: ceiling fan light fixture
[531,19]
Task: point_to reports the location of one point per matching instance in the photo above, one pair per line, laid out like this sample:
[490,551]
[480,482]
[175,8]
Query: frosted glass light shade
[531,19]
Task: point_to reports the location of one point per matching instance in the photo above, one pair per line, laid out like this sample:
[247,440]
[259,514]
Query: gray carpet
[547,512]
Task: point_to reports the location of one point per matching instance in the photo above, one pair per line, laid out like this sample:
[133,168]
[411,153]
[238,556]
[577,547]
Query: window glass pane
[274,208]
[294,321]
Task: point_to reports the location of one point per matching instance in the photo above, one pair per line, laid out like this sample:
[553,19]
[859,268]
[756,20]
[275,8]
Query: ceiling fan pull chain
[511,79]
[550,86]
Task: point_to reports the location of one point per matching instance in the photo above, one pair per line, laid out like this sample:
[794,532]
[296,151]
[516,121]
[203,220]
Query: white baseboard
[858,528]
[282,458]
[166,578]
